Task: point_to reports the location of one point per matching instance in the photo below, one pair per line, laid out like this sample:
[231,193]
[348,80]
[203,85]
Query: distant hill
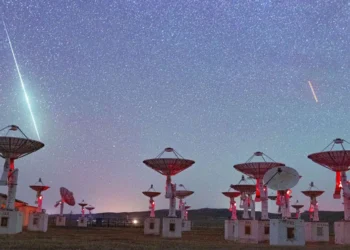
[205,214]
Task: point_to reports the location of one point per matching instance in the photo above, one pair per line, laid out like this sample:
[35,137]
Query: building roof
[19,201]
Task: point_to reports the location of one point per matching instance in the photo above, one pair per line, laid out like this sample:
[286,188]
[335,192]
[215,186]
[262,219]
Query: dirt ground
[131,238]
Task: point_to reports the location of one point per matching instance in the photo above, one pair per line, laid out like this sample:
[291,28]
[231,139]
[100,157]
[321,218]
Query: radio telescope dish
[82,204]
[281,178]
[337,160]
[231,194]
[297,205]
[244,187]
[12,148]
[39,188]
[182,194]
[89,208]
[16,147]
[67,196]
[257,170]
[313,192]
[151,194]
[169,166]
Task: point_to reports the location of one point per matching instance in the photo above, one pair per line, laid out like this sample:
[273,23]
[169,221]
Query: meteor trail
[21,80]
[313,91]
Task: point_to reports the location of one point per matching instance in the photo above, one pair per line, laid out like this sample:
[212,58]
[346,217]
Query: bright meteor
[21,80]
[313,91]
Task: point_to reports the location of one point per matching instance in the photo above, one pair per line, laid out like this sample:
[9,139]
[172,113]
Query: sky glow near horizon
[112,84]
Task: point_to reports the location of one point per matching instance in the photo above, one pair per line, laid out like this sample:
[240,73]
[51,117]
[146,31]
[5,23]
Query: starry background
[115,82]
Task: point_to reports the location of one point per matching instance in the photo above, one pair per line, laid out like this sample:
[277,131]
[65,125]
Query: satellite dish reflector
[89,207]
[182,194]
[67,196]
[82,204]
[281,178]
[297,205]
[39,187]
[231,194]
[151,192]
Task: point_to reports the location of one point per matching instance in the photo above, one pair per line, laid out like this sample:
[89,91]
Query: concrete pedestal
[231,230]
[186,225]
[38,222]
[11,222]
[172,228]
[60,221]
[253,231]
[290,232]
[341,232]
[82,222]
[316,231]
[151,226]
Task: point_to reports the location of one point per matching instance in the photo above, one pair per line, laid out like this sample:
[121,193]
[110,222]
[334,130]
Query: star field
[115,82]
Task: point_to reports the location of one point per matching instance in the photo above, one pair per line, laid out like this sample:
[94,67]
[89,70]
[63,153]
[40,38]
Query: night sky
[112,83]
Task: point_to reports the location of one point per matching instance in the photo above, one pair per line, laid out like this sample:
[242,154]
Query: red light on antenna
[40,197]
[257,191]
[338,186]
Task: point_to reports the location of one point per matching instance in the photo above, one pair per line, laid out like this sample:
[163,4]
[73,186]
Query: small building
[22,206]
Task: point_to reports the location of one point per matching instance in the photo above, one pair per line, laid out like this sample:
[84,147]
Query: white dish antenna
[281,178]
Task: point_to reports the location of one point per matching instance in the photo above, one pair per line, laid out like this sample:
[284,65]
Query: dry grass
[130,238]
